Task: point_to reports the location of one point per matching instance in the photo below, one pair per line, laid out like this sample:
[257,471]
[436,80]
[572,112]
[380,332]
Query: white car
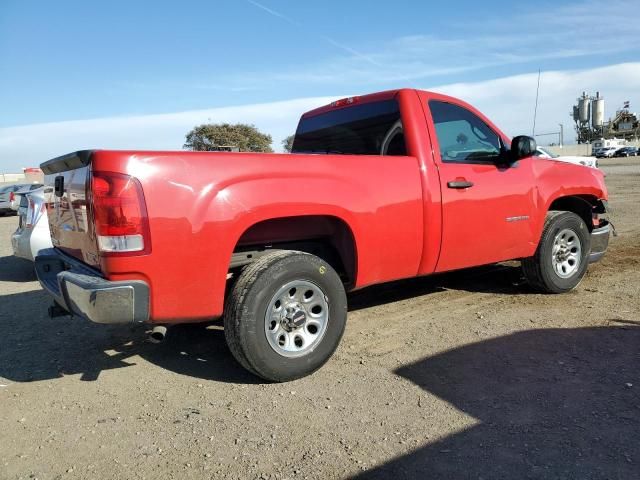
[586,161]
[33,233]
[15,202]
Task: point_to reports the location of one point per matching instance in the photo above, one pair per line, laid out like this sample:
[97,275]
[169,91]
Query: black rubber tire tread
[235,315]
[235,300]
[533,267]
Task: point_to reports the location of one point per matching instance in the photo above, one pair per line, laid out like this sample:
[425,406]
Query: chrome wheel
[566,253]
[296,318]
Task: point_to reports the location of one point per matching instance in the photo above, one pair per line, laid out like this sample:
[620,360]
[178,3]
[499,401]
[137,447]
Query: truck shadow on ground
[551,403]
[14,269]
[34,347]
[498,279]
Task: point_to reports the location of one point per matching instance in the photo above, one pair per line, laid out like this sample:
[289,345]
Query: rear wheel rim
[296,318]
[566,254]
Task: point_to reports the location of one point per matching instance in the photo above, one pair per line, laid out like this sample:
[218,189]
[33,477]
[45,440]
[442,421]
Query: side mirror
[522,147]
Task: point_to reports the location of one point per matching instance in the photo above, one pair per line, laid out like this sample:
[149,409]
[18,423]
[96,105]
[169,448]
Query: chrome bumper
[83,292]
[599,242]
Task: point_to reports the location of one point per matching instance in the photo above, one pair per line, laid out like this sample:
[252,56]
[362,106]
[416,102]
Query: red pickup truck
[379,187]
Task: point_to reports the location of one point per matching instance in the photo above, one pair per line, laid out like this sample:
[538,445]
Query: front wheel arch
[582,205]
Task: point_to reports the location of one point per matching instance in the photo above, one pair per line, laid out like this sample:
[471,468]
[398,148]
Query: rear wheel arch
[328,237]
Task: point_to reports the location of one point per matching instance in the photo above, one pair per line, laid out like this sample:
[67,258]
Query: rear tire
[561,258]
[285,315]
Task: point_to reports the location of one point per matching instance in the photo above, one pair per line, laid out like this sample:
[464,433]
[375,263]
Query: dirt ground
[464,375]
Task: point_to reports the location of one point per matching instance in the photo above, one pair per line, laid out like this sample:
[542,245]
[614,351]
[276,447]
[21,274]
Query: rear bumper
[599,242]
[82,291]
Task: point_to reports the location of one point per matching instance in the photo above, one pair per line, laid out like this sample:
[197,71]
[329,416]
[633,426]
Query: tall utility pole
[535,111]
[561,138]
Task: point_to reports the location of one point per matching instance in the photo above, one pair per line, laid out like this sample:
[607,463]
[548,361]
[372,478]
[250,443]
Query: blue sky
[75,60]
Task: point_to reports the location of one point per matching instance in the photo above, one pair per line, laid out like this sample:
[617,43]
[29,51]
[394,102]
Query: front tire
[561,258]
[285,315]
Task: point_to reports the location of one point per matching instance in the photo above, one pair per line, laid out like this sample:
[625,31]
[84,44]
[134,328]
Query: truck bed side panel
[200,204]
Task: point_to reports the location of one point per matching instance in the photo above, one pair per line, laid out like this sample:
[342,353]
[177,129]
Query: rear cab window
[462,136]
[372,128]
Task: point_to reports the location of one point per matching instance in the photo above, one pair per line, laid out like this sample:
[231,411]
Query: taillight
[119,214]
[12,196]
[34,212]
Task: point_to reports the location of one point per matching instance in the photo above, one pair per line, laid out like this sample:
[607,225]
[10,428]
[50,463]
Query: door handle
[460,184]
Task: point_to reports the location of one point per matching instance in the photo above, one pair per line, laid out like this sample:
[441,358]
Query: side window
[462,136]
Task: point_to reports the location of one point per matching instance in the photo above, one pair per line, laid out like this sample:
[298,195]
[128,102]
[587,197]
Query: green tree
[287,143]
[210,137]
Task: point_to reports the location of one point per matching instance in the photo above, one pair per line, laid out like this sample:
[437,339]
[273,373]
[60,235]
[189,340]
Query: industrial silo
[597,111]
[583,108]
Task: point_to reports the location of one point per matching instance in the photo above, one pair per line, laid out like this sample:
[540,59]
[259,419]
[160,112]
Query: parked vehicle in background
[626,152]
[607,152]
[586,161]
[604,143]
[8,199]
[33,175]
[33,233]
[381,187]
[25,188]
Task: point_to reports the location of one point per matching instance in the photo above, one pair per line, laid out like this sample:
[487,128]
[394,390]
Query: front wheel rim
[566,254]
[296,318]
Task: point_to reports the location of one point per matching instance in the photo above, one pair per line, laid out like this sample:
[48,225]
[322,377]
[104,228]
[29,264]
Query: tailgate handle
[59,186]
[460,184]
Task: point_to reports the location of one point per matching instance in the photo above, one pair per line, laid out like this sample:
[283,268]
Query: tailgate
[67,205]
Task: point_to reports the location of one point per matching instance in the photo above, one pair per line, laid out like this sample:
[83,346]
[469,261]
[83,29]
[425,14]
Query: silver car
[9,197]
[33,233]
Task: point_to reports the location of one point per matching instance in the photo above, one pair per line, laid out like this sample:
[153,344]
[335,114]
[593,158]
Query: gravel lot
[464,375]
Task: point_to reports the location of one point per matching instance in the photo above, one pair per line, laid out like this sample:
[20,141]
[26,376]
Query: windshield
[357,129]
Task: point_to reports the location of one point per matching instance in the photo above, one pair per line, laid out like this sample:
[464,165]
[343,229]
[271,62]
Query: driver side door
[486,204]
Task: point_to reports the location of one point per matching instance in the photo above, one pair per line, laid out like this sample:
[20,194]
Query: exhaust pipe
[158,334]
